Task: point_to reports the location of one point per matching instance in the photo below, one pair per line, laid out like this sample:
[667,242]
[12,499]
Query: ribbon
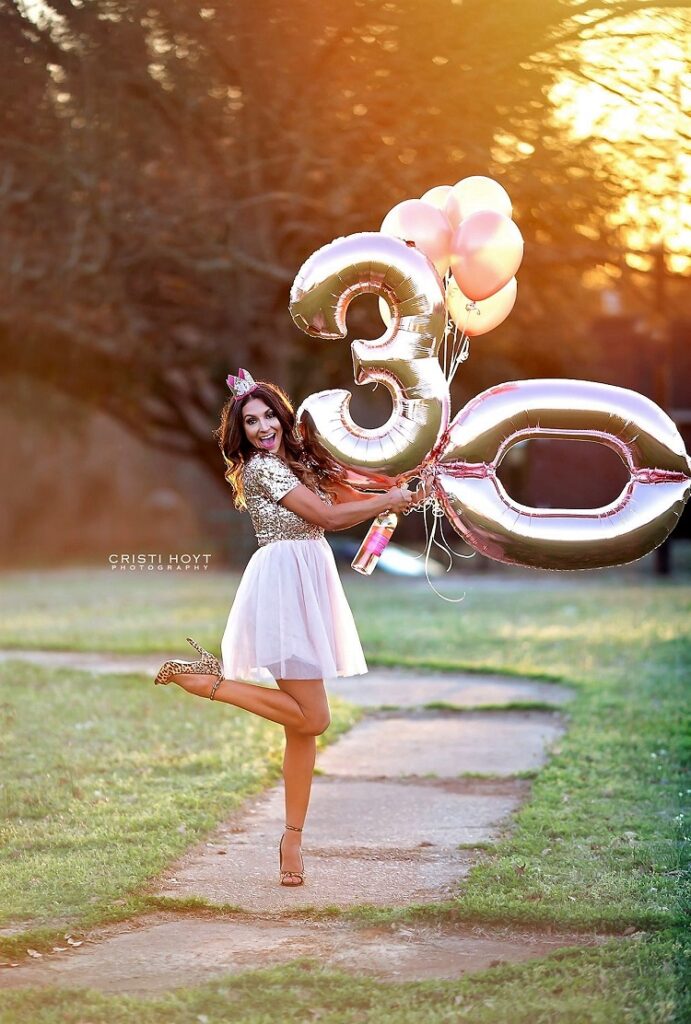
[432,506]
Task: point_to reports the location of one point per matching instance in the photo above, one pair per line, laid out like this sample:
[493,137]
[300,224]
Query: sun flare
[632,97]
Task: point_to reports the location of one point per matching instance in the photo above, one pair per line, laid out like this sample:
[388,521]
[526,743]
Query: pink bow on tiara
[242,384]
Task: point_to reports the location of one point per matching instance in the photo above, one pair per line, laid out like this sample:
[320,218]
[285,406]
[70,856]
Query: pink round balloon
[415,221]
[470,195]
[486,251]
[489,313]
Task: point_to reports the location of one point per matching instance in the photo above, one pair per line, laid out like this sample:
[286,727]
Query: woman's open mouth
[267,442]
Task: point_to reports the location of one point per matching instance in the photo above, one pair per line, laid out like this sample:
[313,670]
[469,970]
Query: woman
[290,615]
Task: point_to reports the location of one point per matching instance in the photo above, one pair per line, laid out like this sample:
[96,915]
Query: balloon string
[460,554]
[447,320]
[432,505]
[460,348]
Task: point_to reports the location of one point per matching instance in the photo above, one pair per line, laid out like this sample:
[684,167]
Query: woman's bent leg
[276,705]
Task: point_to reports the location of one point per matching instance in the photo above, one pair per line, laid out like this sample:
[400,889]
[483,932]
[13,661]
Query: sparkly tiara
[242,384]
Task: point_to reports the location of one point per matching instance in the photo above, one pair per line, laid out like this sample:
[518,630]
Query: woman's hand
[424,490]
[400,499]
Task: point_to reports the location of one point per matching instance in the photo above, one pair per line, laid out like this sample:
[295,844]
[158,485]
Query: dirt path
[400,804]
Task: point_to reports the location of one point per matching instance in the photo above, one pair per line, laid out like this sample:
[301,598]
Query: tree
[167,169]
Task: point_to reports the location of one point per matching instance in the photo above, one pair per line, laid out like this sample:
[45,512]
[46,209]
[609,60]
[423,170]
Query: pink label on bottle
[376,541]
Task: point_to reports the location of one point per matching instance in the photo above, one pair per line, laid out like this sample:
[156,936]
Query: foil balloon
[464,470]
[404,359]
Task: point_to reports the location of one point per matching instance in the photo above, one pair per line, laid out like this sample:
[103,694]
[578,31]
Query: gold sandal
[284,874]
[207,665]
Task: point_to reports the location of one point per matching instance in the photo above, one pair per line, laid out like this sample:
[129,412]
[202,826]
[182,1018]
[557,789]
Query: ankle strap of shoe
[216,685]
[293,828]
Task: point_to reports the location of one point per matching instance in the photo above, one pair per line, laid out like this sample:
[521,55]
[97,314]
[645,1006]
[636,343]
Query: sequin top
[267,479]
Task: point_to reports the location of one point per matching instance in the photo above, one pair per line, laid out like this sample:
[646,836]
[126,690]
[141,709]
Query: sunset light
[631,94]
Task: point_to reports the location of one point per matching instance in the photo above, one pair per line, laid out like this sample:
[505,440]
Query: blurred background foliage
[167,168]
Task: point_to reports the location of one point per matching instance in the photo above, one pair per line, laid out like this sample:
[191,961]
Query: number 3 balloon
[404,358]
[462,458]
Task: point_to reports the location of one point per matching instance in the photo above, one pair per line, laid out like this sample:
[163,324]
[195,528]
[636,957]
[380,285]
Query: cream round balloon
[437,196]
[476,318]
[470,195]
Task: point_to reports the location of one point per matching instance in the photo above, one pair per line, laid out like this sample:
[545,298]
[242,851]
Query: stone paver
[492,742]
[154,957]
[408,688]
[383,843]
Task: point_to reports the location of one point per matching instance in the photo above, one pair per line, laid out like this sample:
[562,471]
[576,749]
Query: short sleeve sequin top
[267,479]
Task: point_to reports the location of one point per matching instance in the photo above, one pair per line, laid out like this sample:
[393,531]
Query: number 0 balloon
[480,510]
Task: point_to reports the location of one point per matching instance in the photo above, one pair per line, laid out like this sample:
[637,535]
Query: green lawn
[602,843]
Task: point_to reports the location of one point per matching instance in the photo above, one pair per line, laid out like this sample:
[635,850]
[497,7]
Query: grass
[601,844]
[105,780]
[632,982]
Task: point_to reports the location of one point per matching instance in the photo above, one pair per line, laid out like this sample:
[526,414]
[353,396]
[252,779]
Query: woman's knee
[315,723]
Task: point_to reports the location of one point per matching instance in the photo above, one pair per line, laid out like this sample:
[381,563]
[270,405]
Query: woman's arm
[309,506]
[344,492]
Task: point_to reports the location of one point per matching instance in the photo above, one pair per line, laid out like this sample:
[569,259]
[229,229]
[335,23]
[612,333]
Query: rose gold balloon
[486,315]
[415,221]
[465,464]
[474,194]
[486,252]
[385,312]
[404,359]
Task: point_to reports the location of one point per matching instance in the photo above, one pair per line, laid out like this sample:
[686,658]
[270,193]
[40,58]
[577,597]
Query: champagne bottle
[378,536]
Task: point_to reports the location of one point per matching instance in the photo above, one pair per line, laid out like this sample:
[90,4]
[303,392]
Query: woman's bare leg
[298,765]
[276,705]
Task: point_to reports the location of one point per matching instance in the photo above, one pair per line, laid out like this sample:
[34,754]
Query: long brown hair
[310,462]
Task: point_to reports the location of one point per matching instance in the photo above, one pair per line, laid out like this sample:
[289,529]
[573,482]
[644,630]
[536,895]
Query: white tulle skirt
[290,618]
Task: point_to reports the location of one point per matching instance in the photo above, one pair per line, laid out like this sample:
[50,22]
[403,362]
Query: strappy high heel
[207,665]
[284,874]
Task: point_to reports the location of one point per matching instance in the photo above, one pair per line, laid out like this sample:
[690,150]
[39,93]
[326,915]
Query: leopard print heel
[207,665]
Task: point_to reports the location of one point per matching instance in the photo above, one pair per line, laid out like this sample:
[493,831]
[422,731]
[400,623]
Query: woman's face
[262,426]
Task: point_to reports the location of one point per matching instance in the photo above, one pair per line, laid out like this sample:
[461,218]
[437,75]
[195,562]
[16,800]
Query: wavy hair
[307,458]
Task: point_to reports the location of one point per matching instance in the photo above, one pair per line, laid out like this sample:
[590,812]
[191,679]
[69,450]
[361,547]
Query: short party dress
[290,618]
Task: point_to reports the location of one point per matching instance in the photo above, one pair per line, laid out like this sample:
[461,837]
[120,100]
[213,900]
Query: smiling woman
[263,427]
[290,619]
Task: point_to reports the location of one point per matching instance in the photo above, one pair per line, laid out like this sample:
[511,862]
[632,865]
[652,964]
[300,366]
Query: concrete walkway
[400,805]
[380,687]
